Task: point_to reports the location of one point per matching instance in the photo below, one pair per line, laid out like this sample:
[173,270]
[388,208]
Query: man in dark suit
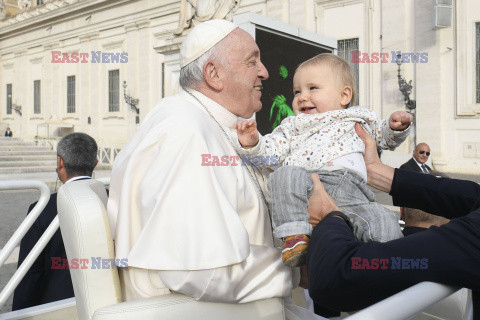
[420,156]
[345,274]
[76,159]
[8,133]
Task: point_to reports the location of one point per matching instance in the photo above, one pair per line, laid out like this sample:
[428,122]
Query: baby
[321,139]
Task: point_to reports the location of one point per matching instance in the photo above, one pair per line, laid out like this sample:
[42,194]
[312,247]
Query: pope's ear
[211,76]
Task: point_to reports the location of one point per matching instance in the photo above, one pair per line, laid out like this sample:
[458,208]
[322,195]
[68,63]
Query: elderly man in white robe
[186,222]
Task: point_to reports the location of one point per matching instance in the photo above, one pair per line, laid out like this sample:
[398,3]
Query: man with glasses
[420,157]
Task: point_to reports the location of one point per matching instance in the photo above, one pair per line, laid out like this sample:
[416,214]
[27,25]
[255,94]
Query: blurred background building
[48,90]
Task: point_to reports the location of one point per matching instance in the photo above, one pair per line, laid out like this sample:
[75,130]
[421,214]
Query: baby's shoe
[294,251]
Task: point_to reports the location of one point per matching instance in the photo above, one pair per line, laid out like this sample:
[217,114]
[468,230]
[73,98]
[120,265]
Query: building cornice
[50,46]
[46,13]
[142,19]
[169,45]
[337,3]
[88,36]
[41,17]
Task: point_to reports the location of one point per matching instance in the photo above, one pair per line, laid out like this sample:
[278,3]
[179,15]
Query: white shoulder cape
[172,213]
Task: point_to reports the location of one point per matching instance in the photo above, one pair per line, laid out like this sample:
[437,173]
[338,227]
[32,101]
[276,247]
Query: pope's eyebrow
[255,53]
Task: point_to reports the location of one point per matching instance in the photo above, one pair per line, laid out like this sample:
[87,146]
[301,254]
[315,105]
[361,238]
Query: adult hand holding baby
[320,203]
[379,176]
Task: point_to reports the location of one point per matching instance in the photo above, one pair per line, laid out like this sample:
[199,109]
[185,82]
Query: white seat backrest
[86,235]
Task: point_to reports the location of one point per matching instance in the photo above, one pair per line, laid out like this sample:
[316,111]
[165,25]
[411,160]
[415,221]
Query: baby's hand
[247,133]
[400,120]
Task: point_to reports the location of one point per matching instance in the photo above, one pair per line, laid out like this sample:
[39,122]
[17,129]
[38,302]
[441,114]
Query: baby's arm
[247,133]
[275,145]
[393,131]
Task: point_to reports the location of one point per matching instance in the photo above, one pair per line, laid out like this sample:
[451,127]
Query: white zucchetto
[202,38]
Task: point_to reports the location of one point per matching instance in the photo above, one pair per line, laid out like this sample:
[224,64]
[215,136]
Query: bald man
[419,159]
[187,214]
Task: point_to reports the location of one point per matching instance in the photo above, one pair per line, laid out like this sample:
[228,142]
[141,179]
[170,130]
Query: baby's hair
[338,65]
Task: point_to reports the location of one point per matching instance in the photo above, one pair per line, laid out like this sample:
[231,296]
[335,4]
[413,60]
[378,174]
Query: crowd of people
[209,231]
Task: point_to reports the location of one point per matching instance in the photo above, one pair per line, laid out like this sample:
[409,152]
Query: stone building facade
[48,88]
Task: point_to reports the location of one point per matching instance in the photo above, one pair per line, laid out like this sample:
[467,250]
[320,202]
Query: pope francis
[200,230]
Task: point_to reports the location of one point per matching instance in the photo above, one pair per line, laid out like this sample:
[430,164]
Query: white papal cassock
[201,230]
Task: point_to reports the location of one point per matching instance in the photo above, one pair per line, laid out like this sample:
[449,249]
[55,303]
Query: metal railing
[40,311]
[24,227]
[407,303]
[22,230]
[107,154]
[50,143]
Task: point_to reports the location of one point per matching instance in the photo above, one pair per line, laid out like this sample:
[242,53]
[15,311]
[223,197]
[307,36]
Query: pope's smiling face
[244,73]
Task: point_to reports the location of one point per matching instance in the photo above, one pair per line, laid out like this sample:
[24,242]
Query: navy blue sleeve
[332,282]
[346,275]
[450,198]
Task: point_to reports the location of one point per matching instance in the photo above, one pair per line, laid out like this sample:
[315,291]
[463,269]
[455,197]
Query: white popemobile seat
[86,234]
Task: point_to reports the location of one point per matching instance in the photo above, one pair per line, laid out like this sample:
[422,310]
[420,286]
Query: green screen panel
[281,55]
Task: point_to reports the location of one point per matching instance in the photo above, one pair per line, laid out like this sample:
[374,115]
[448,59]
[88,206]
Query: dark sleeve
[345,274]
[450,198]
[332,283]
[27,293]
